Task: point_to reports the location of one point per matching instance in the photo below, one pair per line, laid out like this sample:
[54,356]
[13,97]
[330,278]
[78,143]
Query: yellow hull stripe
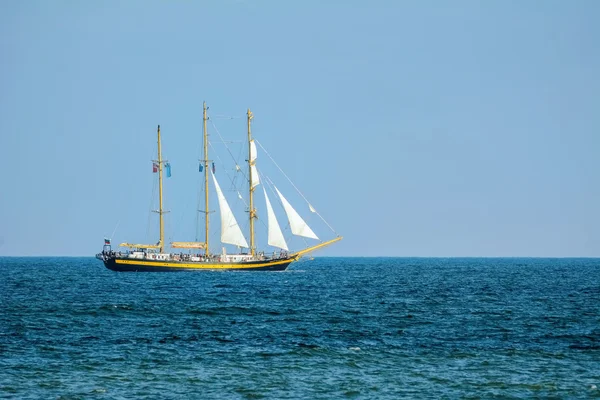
[201,265]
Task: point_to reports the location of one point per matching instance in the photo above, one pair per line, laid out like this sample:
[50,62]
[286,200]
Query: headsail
[299,227]
[230,230]
[275,237]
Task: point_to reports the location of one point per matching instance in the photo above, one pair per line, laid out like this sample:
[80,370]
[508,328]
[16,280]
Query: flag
[154,167]
[168,166]
[213,166]
[106,241]
[311,208]
[200,167]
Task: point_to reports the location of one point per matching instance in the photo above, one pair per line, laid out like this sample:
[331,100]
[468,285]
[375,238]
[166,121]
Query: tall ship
[196,255]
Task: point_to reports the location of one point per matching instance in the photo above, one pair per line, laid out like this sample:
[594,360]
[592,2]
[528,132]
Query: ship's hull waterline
[130,265]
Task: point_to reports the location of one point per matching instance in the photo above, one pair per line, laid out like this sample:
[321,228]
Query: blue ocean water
[384,328]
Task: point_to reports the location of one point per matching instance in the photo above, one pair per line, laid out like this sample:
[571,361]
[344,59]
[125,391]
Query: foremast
[251,180]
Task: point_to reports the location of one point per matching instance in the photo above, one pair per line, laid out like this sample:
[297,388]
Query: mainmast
[206,212]
[251,162]
[161,242]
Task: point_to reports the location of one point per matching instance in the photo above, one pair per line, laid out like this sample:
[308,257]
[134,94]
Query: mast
[160,199]
[205,118]
[252,211]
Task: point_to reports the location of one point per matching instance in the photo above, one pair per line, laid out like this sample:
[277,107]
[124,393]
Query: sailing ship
[153,257]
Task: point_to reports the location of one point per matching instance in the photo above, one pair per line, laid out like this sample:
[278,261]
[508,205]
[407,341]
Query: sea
[328,328]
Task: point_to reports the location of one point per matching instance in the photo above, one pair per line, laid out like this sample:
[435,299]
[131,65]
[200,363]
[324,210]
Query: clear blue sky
[417,128]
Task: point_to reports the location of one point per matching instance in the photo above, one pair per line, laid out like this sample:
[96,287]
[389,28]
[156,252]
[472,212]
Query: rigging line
[202,160]
[298,190]
[174,228]
[199,204]
[229,117]
[113,234]
[231,180]
[271,185]
[152,158]
[168,228]
[230,153]
[262,221]
[240,156]
[178,217]
[227,147]
[150,209]
[306,243]
[215,238]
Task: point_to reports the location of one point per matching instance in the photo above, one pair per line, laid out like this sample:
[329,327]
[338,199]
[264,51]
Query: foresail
[275,237]
[255,178]
[230,230]
[299,227]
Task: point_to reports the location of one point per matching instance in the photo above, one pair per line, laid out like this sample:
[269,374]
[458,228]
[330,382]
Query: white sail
[299,227]
[230,230]
[275,237]
[253,153]
[255,178]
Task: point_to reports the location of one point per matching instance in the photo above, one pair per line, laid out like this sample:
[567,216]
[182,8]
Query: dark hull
[116,264]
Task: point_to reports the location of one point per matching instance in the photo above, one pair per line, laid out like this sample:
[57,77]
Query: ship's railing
[108,254]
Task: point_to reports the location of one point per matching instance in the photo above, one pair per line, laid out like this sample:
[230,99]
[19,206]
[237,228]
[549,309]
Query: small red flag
[154,167]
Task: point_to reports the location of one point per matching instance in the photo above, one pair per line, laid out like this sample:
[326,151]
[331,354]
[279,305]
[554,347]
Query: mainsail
[299,227]
[230,230]
[275,237]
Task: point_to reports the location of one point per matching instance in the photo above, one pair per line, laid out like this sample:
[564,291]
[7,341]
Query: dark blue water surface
[382,328]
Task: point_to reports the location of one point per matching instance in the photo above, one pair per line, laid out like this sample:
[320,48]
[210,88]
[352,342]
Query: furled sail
[275,237]
[230,230]
[255,178]
[299,227]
